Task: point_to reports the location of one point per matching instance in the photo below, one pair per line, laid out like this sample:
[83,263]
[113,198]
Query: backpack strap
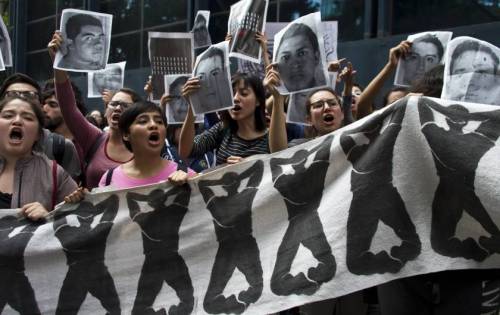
[181,166]
[58,147]
[109,176]
[54,184]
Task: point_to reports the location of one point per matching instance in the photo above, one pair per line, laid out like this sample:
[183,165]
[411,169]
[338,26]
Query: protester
[100,150]
[44,183]
[242,131]
[53,145]
[365,102]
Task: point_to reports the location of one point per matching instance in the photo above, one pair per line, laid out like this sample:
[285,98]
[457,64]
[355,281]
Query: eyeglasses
[25,94]
[123,105]
[321,103]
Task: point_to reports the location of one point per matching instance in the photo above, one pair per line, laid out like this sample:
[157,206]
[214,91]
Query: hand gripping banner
[411,189]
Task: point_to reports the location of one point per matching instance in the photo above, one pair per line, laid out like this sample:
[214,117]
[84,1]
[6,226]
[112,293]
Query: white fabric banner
[411,189]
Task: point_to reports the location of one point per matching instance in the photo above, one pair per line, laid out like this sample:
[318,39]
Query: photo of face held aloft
[472,72]
[86,41]
[427,51]
[212,69]
[300,55]
[110,79]
[200,30]
[5,45]
[177,106]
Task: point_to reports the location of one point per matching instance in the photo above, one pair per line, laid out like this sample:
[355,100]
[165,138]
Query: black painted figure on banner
[302,192]
[160,237]
[178,105]
[84,243]
[200,32]
[299,58]
[374,198]
[456,163]
[232,218]
[15,287]
[85,43]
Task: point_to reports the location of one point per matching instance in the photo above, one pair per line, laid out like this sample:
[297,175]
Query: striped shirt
[227,144]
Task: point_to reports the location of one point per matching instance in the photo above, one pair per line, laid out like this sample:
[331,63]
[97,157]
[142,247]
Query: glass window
[40,9]
[40,33]
[158,12]
[293,9]
[418,16]
[126,48]
[126,14]
[66,4]
[350,17]
[181,27]
[39,66]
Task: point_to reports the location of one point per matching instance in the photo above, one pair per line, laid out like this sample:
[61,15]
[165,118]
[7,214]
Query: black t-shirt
[5,200]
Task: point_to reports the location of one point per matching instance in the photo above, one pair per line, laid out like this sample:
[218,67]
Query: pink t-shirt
[120,180]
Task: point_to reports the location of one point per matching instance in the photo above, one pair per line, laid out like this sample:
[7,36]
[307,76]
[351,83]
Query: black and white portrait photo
[110,79]
[212,68]
[247,17]
[5,45]
[300,55]
[200,29]
[169,53]
[471,72]
[86,41]
[177,106]
[297,112]
[427,51]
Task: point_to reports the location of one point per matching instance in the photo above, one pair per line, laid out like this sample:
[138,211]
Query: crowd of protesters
[48,134]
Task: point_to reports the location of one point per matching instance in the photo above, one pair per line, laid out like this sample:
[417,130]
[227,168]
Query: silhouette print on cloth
[84,244]
[457,149]
[15,288]
[232,219]
[160,237]
[370,150]
[302,192]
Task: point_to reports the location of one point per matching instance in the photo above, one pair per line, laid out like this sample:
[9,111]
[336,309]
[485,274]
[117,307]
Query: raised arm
[368,96]
[254,173]
[182,194]
[347,75]
[109,207]
[84,132]
[277,128]
[186,138]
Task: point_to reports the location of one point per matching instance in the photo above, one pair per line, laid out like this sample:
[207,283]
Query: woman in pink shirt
[143,130]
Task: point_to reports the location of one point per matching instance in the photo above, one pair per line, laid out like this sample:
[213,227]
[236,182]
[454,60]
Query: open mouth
[115,117]
[154,137]
[236,108]
[16,135]
[328,118]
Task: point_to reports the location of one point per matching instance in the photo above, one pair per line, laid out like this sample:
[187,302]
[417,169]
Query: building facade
[367,28]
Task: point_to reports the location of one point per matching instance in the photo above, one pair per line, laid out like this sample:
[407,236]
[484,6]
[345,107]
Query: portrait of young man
[200,30]
[215,92]
[85,46]
[473,73]
[109,79]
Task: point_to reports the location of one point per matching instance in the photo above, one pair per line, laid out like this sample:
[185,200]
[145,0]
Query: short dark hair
[431,84]
[178,81]
[128,117]
[432,39]
[394,89]
[20,78]
[300,29]
[470,45]
[35,106]
[213,52]
[200,18]
[49,90]
[75,22]
[133,94]
[253,81]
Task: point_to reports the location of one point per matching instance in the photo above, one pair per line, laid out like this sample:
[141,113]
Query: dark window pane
[126,14]
[158,12]
[181,27]
[218,26]
[418,16]
[126,48]
[39,66]
[350,17]
[67,4]
[40,33]
[221,5]
[293,9]
[40,9]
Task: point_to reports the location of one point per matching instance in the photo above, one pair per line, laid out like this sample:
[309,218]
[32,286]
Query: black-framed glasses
[321,103]
[25,94]
[123,105]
